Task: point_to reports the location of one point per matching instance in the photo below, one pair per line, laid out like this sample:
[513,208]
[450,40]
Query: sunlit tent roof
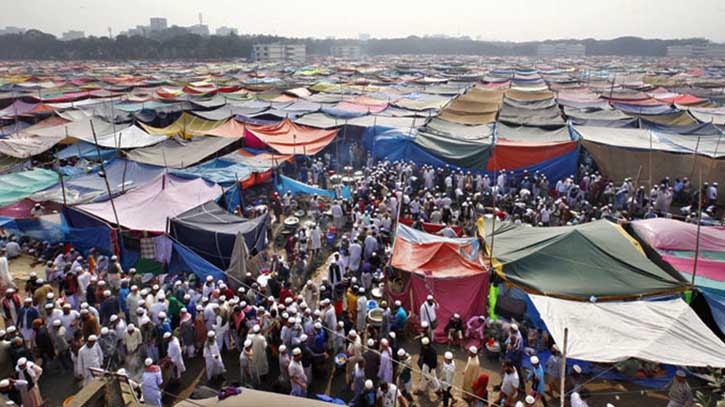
[107,134]
[18,185]
[658,331]
[148,207]
[287,137]
[178,153]
[211,231]
[185,126]
[122,176]
[593,259]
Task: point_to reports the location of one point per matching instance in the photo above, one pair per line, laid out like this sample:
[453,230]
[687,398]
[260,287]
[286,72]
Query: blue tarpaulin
[81,238]
[87,150]
[184,260]
[285,184]
[220,171]
[716,301]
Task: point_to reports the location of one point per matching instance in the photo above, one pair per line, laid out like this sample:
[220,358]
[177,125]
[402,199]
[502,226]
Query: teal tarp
[18,185]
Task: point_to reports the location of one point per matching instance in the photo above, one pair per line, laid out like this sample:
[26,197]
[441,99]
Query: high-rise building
[561,49]
[278,52]
[71,35]
[224,31]
[346,51]
[157,24]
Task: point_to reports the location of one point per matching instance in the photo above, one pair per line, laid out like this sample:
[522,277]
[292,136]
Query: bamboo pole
[562,389]
[105,176]
[697,236]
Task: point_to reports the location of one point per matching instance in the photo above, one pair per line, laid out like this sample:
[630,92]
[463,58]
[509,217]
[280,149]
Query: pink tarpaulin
[148,207]
[670,234]
[466,296]
[706,268]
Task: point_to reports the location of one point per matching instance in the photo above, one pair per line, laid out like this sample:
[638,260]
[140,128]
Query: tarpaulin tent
[122,176]
[183,260]
[676,241]
[463,151]
[177,153]
[510,155]
[106,134]
[531,134]
[82,239]
[83,149]
[620,152]
[255,398]
[286,184]
[451,269]
[210,231]
[594,259]
[186,126]
[18,185]
[148,207]
[287,137]
[666,331]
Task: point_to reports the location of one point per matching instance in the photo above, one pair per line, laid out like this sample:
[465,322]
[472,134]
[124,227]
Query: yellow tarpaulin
[186,126]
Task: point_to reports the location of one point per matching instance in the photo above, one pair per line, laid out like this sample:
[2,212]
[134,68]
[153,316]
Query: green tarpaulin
[466,152]
[18,185]
[594,259]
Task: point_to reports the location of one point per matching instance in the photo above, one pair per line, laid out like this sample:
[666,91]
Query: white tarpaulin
[659,331]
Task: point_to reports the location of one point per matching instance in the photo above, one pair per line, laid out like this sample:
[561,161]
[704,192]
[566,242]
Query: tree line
[176,43]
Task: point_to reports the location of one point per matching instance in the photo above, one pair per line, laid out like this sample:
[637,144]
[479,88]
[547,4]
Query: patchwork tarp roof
[176,153]
[666,331]
[18,185]
[148,207]
[287,137]
[211,231]
[122,176]
[186,126]
[107,134]
[593,259]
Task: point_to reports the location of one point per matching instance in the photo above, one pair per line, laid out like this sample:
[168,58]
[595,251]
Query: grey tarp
[531,134]
[175,153]
[323,121]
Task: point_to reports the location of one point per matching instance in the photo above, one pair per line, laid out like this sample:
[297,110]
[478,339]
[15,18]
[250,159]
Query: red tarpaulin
[509,155]
[286,137]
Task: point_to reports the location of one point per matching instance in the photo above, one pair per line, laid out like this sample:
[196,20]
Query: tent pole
[562,391]
[105,177]
[650,159]
[62,183]
[634,193]
[241,196]
[697,236]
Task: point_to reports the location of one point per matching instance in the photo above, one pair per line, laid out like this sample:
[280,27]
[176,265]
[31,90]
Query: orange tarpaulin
[443,259]
[511,154]
[231,128]
[289,138]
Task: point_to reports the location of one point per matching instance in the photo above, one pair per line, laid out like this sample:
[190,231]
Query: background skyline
[520,20]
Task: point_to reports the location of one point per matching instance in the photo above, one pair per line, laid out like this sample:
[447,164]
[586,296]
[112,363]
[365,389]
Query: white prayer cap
[148,362]
[256,328]
[384,342]
[530,399]
[430,297]
[114,318]
[131,327]
[12,329]
[282,348]
[104,331]
[50,296]
[368,384]
[318,325]
[22,361]
[209,278]
[534,360]
[48,306]
[425,340]
[515,327]
[398,303]
[401,352]
[303,338]
[92,338]
[424,324]
[577,368]
[162,315]
[456,316]
[371,342]
[448,355]
[297,351]
[248,343]
[56,322]
[167,335]
[341,324]
[352,332]
[28,299]
[211,334]
[6,383]
[473,349]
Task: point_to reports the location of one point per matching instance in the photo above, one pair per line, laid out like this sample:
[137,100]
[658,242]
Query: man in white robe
[90,355]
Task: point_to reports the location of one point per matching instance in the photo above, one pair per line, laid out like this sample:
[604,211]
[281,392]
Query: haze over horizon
[519,20]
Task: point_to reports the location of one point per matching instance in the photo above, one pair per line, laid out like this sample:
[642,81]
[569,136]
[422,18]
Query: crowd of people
[86,313]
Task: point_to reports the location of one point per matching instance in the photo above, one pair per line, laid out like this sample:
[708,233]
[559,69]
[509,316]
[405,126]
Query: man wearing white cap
[174,354]
[527,402]
[428,312]
[132,304]
[470,372]
[362,308]
[284,361]
[259,346]
[385,371]
[536,376]
[311,294]
[552,370]
[212,358]
[90,356]
[448,373]
[297,376]
[428,363]
[679,391]
[151,383]
[248,372]
[29,372]
[132,340]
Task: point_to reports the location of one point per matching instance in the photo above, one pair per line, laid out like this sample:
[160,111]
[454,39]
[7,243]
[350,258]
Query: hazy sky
[515,20]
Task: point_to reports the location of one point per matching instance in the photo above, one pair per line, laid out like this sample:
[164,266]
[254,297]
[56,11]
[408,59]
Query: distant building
[561,49]
[72,35]
[158,24]
[224,31]
[199,29]
[11,30]
[696,51]
[278,52]
[363,36]
[346,51]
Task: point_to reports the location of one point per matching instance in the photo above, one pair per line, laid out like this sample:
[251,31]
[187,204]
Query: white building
[199,29]
[346,51]
[561,50]
[277,52]
[363,36]
[11,30]
[696,51]
[158,24]
[72,35]
[225,31]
